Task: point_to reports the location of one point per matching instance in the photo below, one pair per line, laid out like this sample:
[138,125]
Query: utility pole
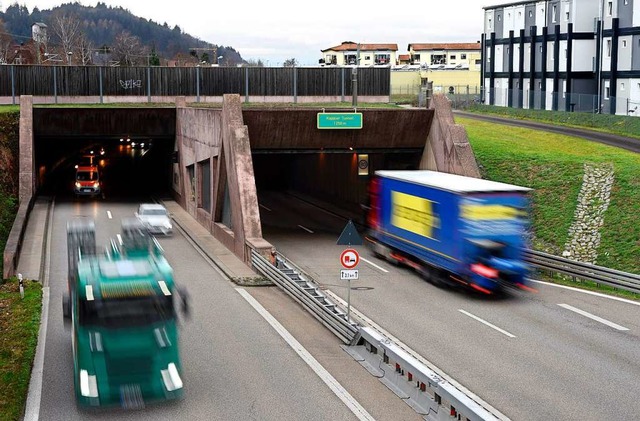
[354,79]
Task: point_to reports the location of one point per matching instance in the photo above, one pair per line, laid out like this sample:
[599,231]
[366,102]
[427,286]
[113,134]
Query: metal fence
[74,81]
[561,101]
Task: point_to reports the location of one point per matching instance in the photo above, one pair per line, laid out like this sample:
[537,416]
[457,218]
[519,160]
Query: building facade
[350,54]
[446,56]
[571,55]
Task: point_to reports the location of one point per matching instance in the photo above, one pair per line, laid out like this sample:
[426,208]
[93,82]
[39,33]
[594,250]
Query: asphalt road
[237,365]
[543,357]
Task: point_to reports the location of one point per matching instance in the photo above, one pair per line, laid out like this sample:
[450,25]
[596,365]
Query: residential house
[350,53]
[446,56]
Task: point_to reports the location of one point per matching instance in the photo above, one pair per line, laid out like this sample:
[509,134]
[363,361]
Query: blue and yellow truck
[450,228]
[122,306]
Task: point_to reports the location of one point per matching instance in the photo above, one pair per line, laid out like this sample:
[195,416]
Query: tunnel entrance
[130,148]
[329,181]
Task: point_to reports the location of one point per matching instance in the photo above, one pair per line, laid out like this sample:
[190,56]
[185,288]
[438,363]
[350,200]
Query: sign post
[349,258]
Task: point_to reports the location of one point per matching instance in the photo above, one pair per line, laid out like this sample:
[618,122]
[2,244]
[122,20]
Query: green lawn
[19,324]
[552,164]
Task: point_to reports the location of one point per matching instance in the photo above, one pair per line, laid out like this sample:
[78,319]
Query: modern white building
[580,55]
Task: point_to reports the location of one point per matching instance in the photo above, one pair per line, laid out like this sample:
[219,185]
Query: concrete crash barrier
[429,394]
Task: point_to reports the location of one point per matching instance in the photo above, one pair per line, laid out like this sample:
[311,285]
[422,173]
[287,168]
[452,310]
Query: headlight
[171,378]
[77,184]
[96,184]
[88,384]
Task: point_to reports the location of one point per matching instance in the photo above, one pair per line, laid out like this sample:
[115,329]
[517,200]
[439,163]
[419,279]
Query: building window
[519,15]
[541,48]
[367,57]
[463,56]
[622,86]
[566,16]
[609,8]
[540,85]
[624,43]
[499,18]
[489,23]
[608,48]
[606,89]
[554,10]
[564,89]
[453,57]
[382,58]
[565,53]
[530,13]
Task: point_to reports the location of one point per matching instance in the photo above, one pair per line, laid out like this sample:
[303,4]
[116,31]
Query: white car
[155,217]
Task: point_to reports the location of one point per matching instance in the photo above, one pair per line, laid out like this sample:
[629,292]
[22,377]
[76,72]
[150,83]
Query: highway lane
[557,354]
[236,365]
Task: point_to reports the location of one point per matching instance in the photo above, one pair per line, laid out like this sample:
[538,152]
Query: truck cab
[123,311]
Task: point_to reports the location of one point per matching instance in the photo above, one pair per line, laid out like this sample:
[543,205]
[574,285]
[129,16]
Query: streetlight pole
[354,79]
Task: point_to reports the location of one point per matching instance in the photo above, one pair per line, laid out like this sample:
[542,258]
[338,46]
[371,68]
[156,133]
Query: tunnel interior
[133,163]
[333,180]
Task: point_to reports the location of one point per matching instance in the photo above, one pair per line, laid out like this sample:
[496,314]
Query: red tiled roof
[404,57]
[445,46]
[353,46]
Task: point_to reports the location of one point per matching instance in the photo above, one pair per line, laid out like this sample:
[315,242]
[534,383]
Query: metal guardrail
[288,277]
[420,387]
[586,271]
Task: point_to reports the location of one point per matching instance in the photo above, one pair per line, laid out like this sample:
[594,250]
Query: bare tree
[6,42]
[292,62]
[66,31]
[128,50]
[85,50]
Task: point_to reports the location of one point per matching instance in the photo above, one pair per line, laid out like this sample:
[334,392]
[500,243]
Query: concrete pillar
[26,178]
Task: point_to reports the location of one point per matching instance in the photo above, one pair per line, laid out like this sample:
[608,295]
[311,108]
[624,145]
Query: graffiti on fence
[131,84]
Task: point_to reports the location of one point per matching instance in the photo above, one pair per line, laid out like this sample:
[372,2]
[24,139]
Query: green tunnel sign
[339,120]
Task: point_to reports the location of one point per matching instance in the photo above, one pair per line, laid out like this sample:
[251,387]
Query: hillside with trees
[103,35]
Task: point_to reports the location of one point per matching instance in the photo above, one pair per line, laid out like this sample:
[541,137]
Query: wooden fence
[54,81]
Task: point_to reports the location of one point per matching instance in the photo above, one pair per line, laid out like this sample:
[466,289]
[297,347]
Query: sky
[278,30]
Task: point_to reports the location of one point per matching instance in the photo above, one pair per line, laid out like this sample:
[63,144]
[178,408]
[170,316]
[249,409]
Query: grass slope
[553,165]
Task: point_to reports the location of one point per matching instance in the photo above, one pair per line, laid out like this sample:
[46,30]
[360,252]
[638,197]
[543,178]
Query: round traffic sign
[349,258]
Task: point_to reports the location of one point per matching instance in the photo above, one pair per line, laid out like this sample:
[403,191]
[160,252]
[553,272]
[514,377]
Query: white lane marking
[584,291]
[326,377]
[32,411]
[264,207]
[374,265]
[504,332]
[306,229]
[109,215]
[593,317]
[119,238]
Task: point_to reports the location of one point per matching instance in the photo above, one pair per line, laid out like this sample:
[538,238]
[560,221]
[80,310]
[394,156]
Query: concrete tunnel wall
[226,138]
[222,138]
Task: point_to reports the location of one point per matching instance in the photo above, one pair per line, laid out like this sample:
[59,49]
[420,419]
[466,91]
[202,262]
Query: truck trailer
[450,228]
[121,306]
